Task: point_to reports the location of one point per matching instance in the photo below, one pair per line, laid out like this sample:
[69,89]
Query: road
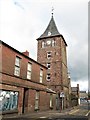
[77,113]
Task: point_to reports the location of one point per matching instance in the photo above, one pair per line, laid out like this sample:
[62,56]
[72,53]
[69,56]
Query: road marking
[74,111]
[87,113]
[43,117]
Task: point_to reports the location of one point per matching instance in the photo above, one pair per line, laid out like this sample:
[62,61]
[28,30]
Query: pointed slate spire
[51,30]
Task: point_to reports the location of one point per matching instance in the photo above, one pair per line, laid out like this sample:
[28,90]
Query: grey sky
[23,21]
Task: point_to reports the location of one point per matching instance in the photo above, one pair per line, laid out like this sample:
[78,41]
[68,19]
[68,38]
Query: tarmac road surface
[68,118]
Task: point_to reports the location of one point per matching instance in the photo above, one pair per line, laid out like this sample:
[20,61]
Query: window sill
[8,112]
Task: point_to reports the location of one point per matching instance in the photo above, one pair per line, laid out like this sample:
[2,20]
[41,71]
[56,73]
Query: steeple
[51,30]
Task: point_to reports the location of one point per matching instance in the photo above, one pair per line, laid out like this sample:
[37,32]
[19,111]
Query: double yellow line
[74,111]
[87,113]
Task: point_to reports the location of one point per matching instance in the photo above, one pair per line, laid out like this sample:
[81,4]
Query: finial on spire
[52,10]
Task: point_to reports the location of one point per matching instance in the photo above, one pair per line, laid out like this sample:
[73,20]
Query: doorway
[25,100]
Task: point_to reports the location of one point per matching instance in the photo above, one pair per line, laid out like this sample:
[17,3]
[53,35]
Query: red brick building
[76,93]
[52,53]
[23,86]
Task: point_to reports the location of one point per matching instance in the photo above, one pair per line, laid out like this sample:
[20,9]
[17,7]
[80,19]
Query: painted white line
[74,111]
[87,113]
[43,117]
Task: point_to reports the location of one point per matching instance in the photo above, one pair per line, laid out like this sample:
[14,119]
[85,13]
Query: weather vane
[52,10]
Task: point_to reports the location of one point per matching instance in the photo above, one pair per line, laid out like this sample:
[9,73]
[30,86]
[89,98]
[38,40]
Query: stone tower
[52,53]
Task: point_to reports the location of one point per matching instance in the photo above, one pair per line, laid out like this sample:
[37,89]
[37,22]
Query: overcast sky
[23,21]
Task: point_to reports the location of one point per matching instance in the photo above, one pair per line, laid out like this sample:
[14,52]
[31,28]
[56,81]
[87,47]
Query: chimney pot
[26,53]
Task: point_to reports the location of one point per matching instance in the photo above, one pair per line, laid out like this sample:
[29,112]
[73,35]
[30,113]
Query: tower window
[48,77]
[48,55]
[43,44]
[53,43]
[48,65]
[17,66]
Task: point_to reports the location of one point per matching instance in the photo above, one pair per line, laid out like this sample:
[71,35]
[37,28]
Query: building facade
[75,95]
[52,53]
[83,96]
[23,86]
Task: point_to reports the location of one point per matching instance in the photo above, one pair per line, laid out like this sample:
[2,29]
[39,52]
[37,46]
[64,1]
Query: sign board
[62,94]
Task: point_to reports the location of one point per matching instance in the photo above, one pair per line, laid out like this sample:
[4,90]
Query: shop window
[8,100]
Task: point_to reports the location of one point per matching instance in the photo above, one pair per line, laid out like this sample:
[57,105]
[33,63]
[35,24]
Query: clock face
[49,33]
[48,42]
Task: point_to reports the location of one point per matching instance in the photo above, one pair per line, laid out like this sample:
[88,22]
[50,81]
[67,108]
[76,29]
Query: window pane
[36,104]
[29,67]
[17,71]
[41,75]
[43,44]
[17,62]
[28,75]
[37,95]
[51,104]
[53,42]
[41,72]
[37,100]
[40,79]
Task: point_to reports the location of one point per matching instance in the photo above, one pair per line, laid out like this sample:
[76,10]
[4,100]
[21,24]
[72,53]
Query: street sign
[62,94]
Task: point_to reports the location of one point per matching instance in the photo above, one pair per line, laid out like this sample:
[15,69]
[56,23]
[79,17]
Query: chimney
[26,53]
[78,86]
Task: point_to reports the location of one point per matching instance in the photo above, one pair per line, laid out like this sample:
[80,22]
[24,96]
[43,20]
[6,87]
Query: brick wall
[8,65]
[55,60]
[58,61]
[26,88]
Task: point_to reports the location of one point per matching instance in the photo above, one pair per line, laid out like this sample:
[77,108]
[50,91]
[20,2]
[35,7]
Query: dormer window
[49,33]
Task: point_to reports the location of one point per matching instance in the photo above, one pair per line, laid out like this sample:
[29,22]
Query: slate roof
[51,28]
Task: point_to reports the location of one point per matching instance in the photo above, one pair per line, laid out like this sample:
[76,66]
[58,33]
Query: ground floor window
[37,100]
[51,101]
[8,100]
